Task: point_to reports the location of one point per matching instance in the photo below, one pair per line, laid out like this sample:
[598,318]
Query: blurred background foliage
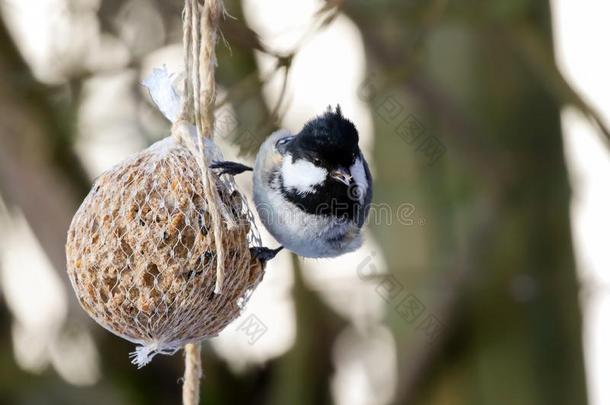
[492,262]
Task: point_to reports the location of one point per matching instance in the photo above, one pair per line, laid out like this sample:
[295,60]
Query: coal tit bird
[312,190]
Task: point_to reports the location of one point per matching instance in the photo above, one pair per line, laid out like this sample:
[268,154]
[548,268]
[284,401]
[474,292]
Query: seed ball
[141,254]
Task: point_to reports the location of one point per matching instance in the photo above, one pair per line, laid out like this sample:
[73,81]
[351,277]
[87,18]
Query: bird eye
[317,162]
[281,144]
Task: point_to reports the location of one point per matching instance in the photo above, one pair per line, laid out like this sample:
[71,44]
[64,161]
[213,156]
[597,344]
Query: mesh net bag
[142,256]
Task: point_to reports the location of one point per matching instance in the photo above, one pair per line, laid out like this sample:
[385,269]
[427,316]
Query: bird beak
[343,175]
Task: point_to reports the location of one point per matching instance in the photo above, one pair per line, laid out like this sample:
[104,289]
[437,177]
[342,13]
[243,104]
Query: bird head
[325,149]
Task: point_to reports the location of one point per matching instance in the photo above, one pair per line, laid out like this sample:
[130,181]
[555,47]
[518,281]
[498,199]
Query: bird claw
[232,168]
[264,254]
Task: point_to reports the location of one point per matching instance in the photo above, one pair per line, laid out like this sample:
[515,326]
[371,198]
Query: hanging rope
[192,374]
[200,36]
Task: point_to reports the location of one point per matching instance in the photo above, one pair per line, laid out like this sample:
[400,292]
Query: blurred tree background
[491,269]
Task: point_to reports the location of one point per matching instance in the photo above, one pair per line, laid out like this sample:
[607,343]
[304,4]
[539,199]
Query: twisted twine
[200,35]
[192,374]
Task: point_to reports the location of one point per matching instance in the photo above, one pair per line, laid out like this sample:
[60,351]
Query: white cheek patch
[359,175]
[302,175]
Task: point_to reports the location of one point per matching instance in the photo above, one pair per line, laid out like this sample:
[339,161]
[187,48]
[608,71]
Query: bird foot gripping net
[159,251]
